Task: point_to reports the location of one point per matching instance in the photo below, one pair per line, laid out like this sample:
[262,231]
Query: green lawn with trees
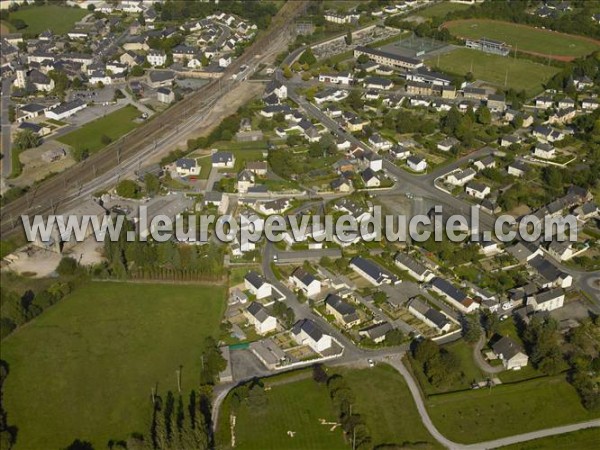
[85,368]
[505,72]
[98,133]
[58,19]
[524,38]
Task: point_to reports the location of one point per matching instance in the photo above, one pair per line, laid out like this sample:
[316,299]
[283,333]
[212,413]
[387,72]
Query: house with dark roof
[429,316]
[223,160]
[454,296]
[415,269]
[260,318]
[377,332]
[186,167]
[372,272]
[257,285]
[547,300]
[307,332]
[550,275]
[345,314]
[306,282]
[511,354]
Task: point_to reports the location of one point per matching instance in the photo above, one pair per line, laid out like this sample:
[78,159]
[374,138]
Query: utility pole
[178,371]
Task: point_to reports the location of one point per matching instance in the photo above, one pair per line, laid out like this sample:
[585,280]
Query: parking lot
[359,38]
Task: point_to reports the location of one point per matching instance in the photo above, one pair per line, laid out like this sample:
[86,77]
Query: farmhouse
[512,355]
[344,313]
[306,282]
[372,272]
[429,316]
[455,297]
[307,332]
[257,285]
[258,316]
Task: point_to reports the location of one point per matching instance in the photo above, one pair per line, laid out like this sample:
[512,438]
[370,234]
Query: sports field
[517,73]
[59,19]
[525,38]
[113,125]
[480,415]
[85,368]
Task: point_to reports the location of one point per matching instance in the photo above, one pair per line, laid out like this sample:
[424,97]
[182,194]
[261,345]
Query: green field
[85,368]
[295,402]
[113,125]
[295,406]
[518,73]
[524,38]
[441,9]
[581,440]
[505,410]
[59,19]
[383,399]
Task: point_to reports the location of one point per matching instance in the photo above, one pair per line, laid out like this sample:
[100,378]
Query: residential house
[517,169]
[414,268]
[186,167]
[416,163]
[245,181]
[344,313]
[399,152]
[544,151]
[65,110]
[160,78]
[165,95]
[510,353]
[377,332]
[547,300]
[156,58]
[477,190]
[370,178]
[550,275]
[307,332]
[372,272]
[510,139]
[223,160]
[341,184]
[429,316]
[257,285]
[589,104]
[485,163]
[544,102]
[379,143]
[447,144]
[461,177]
[587,211]
[496,103]
[306,282]
[262,320]
[454,296]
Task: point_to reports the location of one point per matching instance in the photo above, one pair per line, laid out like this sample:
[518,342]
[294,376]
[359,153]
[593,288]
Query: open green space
[91,136]
[296,406]
[441,9]
[505,410]
[581,440]
[503,71]
[58,19]
[384,401]
[524,38]
[85,367]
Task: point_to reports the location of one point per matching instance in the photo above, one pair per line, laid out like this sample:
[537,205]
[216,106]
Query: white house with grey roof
[344,313]
[222,160]
[377,332]
[429,316]
[461,177]
[510,353]
[454,296]
[372,272]
[260,318]
[547,300]
[307,332]
[257,285]
[306,282]
[414,268]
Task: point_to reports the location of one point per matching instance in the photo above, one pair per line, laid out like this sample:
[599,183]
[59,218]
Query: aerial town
[251,127]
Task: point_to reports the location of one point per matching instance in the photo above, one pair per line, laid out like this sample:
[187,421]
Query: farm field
[440,9]
[480,415]
[525,38]
[59,19]
[520,74]
[113,125]
[85,368]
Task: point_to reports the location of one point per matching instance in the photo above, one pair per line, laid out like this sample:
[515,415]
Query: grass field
[296,406]
[384,400]
[441,9]
[85,368]
[524,38]
[581,440]
[59,19]
[505,410]
[518,73]
[113,125]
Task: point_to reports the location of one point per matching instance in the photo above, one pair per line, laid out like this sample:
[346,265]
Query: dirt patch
[4,29]
[35,168]
[564,58]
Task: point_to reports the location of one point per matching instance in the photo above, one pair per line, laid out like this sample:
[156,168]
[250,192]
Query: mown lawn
[524,38]
[384,401]
[58,19]
[519,74]
[508,409]
[296,406]
[441,9]
[85,367]
[113,125]
[581,440]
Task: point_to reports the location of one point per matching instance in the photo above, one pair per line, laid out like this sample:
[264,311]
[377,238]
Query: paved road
[480,360]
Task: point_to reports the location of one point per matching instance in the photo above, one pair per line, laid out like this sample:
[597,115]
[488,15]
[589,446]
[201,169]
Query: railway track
[50,195]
